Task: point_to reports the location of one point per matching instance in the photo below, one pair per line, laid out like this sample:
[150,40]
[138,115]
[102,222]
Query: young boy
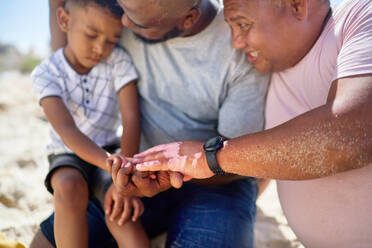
[82,88]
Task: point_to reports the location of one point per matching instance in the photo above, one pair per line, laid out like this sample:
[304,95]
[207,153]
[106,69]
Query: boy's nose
[98,48]
[125,21]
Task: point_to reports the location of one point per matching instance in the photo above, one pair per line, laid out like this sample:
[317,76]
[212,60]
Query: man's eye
[244,26]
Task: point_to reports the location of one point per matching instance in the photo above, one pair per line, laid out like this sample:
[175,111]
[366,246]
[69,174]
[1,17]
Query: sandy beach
[24,201]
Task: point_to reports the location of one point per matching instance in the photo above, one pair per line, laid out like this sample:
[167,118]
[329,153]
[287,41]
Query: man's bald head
[159,20]
[174,7]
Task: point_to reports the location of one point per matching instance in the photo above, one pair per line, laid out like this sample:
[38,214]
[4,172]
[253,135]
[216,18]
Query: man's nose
[237,40]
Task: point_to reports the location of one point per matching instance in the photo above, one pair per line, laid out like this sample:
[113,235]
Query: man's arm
[333,138]
[57,37]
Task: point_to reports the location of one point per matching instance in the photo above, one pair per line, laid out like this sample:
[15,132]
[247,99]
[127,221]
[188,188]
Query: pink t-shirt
[333,211]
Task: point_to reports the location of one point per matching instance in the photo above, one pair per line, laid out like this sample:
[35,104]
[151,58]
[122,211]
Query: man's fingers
[154,149]
[155,165]
[186,178]
[163,180]
[123,176]
[146,185]
[176,179]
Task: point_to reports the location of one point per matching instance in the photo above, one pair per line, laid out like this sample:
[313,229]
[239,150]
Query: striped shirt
[91,98]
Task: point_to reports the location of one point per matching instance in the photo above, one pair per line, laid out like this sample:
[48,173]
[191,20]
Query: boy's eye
[111,42]
[91,36]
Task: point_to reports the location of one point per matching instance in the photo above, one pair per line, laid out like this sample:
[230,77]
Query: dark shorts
[99,235]
[194,216]
[87,170]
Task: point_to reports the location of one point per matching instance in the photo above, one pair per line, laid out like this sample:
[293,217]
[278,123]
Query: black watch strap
[210,148]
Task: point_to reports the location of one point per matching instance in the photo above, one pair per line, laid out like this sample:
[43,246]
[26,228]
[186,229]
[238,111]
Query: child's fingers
[109,163]
[137,209]
[116,165]
[117,209]
[126,213]
[107,204]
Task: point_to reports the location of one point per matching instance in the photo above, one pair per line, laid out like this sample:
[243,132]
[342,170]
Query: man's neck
[208,12]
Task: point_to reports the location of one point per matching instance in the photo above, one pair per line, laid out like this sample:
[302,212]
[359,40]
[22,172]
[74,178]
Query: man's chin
[147,40]
[171,34]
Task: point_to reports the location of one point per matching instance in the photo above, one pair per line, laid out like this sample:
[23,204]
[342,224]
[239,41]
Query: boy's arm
[129,109]
[57,37]
[63,123]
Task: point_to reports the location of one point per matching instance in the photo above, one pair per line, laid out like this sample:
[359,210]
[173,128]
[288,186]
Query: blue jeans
[194,216]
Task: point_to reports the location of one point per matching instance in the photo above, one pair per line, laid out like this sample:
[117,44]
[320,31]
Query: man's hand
[129,181]
[124,207]
[185,157]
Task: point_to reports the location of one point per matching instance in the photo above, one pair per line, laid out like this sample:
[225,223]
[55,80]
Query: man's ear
[63,19]
[191,18]
[299,8]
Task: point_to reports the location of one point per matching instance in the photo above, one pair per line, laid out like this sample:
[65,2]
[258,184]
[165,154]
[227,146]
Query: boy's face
[92,32]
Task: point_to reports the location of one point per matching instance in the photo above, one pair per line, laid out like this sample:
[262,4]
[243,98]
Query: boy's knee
[70,188]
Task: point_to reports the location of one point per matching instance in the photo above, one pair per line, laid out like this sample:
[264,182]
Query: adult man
[318,116]
[185,96]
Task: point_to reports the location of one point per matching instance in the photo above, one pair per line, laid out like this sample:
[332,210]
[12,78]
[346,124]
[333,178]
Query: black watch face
[213,144]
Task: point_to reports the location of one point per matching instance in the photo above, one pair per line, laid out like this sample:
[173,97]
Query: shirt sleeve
[355,57]
[124,71]
[45,81]
[242,111]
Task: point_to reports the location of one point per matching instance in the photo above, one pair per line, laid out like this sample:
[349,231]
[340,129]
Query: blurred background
[24,202]
[25,33]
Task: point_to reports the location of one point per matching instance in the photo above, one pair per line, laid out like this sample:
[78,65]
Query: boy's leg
[40,241]
[99,235]
[70,202]
[131,234]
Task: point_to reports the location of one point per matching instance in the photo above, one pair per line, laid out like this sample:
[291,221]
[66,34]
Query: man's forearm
[316,144]
[58,38]
[218,180]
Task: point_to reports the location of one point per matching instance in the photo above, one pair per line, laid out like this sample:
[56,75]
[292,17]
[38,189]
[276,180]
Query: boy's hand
[124,207]
[129,181]
[115,162]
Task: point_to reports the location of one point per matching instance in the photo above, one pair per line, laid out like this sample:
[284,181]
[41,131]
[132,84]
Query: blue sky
[24,23]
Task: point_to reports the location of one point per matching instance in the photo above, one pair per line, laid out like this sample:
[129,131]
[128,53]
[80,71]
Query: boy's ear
[191,18]
[299,8]
[63,19]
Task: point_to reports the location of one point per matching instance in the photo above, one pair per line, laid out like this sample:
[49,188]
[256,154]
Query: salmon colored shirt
[334,211]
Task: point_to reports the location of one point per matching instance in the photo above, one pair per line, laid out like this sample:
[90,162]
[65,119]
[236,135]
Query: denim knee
[219,216]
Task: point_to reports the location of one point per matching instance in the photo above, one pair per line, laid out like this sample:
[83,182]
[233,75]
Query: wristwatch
[210,149]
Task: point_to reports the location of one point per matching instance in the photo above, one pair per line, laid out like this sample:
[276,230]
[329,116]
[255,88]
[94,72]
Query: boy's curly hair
[111,5]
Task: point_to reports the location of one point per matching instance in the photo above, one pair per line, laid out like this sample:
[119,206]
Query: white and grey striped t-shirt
[91,98]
